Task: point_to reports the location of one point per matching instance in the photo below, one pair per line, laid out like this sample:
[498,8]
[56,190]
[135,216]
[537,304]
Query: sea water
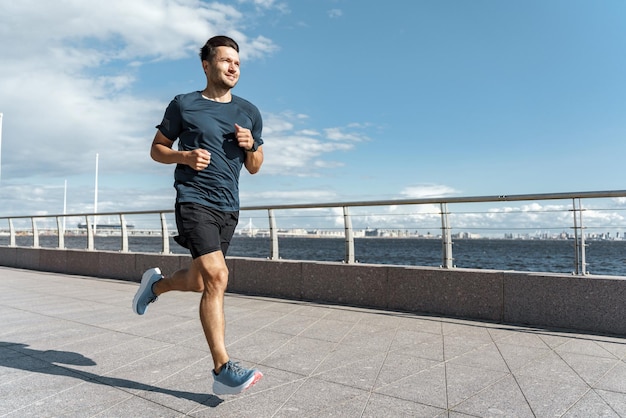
[555,256]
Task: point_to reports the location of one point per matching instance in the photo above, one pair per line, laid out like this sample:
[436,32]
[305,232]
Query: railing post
[273,235]
[446,238]
[347,222]
[35,233]
[576,255]
[580,260]
[124,233]
[165,234]
[583,258]
[90,233]
[11,233]
[61,233]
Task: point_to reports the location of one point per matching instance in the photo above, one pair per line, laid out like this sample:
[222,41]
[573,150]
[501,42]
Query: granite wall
[583,303]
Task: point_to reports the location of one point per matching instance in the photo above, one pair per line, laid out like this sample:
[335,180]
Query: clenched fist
[198,159]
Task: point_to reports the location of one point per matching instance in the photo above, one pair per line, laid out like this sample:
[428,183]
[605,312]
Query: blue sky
[361,100]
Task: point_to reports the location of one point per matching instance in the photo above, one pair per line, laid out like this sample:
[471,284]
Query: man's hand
[244,137]
[198,159]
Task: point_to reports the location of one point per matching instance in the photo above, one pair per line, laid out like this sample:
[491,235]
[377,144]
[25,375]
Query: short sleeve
[171,125]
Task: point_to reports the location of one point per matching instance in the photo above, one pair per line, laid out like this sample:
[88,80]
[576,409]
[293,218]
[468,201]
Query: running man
[218,133]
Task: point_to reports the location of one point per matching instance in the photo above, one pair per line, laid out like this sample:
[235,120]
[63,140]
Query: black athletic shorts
[203,230]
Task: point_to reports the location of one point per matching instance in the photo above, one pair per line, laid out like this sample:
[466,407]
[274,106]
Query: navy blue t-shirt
[198,122]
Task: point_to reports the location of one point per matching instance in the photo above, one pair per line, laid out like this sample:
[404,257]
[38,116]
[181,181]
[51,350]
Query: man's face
[223,71]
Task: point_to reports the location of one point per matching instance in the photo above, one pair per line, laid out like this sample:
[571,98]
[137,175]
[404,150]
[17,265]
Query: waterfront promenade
[71,346]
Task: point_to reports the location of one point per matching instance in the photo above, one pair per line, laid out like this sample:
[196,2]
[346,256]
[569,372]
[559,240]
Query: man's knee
[214,272]
[216,278]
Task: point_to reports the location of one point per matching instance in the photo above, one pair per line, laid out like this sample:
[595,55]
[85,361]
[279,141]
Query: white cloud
[67,79]
[293,196]
[67,85]
[423,191]
[302,151]
[335,13]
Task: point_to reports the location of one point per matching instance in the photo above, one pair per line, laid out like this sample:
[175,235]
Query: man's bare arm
[161,151]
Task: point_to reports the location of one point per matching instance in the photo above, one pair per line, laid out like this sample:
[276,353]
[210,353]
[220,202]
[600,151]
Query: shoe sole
[145,279]
[222,389]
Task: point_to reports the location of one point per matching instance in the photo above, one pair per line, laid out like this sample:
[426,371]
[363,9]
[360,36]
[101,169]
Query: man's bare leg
[182,280]
[208,274]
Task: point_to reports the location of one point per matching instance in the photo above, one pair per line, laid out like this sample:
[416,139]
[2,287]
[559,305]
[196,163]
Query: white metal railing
[577,210]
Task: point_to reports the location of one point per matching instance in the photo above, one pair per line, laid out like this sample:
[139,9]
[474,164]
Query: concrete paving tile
[197,341]
[549,398]
[518,356]
[418,323]
[501,332]
[180,304]
[616,400]
[150,324]
[178,332]
[591,405]
[35,326]
[138,407]
[369,336]
[36,386]
[551,367]
[427,386]
[503,398]
[284,306]
[299,355]
[463,382]
[386,406]
[262,400]
[617,347]
[328,330]
[70,333]
[360,374]
[106,316]
[293,324]
[84,400]
[18,361]
[186,390]
[466,329]
[22,369]
[554,339]
[263,347]
[162,364]
[183,390]
[318,397]
[343,355]
[526,339]
[398,366]
[487,357]
[614,380]
[588,346]
[255,318]
[590,368]
[418,344]
[356,314]
[109,341]
[115,357]
[453,414]
[314,310]
[456,345]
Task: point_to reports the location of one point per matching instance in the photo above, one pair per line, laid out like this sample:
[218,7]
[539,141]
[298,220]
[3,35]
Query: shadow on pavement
[19,356]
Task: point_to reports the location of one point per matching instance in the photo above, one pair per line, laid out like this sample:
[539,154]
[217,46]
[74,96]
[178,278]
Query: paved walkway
[71,346]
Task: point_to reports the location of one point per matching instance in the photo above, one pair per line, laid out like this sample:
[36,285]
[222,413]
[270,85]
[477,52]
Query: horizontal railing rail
[447,261]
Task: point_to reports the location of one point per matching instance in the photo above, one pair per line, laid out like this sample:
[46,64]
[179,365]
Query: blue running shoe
[234,379]
[145,295]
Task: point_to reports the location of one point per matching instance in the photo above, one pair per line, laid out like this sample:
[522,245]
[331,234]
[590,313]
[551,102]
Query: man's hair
[207,52]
